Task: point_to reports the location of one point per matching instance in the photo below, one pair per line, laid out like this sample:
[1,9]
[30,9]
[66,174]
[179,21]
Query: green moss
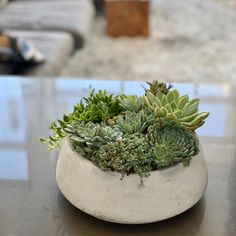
[126,156]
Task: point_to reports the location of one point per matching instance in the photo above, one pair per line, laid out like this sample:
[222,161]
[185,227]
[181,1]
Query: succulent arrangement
[132,134]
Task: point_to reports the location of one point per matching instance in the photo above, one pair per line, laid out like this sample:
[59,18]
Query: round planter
[164,194]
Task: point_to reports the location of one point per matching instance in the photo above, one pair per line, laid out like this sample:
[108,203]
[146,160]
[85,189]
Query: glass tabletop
[30,201]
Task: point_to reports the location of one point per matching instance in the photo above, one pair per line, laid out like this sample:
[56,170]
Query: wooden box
[127,17]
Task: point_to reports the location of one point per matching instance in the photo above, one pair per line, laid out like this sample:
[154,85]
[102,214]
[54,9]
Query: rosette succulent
[131,103]
[131,122]
[86,138]
[170,143]
[175,107]
[132,134]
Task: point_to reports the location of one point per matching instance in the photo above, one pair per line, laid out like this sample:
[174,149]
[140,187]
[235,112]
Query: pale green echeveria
[171,143]
[87,138]
[175,107]
[131,103]
[131,122]
[125,156]
[149,116]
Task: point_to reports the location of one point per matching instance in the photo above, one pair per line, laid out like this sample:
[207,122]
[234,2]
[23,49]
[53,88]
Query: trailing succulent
[132,134]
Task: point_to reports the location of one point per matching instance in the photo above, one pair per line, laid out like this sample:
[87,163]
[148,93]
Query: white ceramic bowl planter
[164,194]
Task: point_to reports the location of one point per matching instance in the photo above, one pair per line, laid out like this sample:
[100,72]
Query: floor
[191,40]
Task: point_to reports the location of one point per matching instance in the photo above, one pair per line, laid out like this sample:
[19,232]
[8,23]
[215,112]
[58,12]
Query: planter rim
[166,169]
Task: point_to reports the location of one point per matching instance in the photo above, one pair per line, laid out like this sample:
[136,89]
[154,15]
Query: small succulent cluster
[127,155]
[132,134]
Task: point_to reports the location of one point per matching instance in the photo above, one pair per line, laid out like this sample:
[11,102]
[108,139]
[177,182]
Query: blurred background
[181,40]
[58,49]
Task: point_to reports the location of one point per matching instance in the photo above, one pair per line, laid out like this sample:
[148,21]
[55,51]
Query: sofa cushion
[56,46]
[3,3]
[72,16]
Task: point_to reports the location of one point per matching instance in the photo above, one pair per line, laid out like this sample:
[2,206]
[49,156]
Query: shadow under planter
[77,222]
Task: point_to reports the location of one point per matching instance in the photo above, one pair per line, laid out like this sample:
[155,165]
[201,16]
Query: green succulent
[126,156]
[131,103]
[131,122]
[156,87]
[96,107]
[170,143]
[87,138]
[75,116]
[149,116]
[162,156]
[100,107]
[109,134]
[176,107]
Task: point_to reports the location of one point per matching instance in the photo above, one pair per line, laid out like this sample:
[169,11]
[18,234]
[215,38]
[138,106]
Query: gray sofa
[72,16]
[56,46]
[56,27]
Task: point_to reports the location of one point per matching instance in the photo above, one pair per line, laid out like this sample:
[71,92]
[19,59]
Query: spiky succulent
[87,138]
[175,107]
[170,143]
[131,103]
[131,122]
[156,87]
[100,107]
[126,156]
[58,131]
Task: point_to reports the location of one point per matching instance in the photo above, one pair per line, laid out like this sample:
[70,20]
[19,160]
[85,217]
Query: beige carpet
[193,40]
